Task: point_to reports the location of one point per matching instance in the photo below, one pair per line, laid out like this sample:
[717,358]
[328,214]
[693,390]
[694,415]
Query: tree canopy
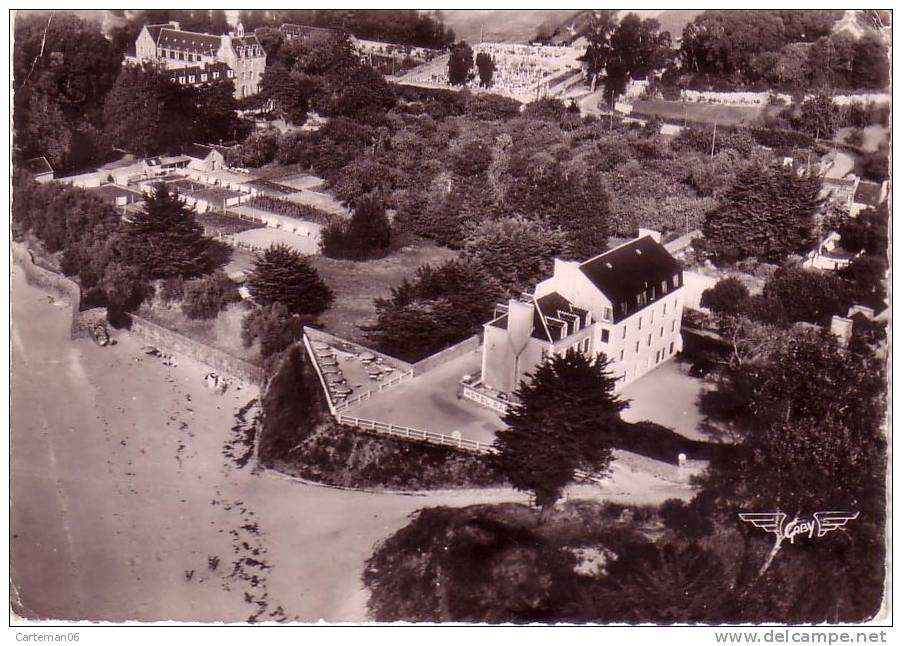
[566,419]
[768,213]
[282,275]
[439,307]
[164,239]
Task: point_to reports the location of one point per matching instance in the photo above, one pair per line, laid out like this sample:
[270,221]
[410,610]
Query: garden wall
[52,281]
[171,341]
[467,345]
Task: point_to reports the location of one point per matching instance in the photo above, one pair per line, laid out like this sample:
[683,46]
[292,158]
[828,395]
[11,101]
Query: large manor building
[195,58]
[626,303]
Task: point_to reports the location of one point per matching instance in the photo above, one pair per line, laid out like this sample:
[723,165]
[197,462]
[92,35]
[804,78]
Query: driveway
[668,396]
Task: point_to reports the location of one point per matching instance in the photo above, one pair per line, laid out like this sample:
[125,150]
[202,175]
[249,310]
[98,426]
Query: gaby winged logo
[821,522]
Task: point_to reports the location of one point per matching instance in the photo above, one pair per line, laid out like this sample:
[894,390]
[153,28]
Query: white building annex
[626,303]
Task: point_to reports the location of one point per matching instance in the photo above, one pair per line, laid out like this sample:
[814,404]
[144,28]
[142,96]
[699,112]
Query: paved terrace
[430,402]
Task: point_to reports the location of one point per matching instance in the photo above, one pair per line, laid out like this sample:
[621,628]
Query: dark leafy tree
[598,30]
[868,232]
[216,118]
[767,213]
[123,288]
[282,275]
[366,235]
[819,117]
[566,420]
[165,240]
[286,92]
[640,45]
[460,64]
[146,113]
[728,296]
[440,307]
[63,67]
[664,583]
[808,295]
[486,67]
[799,450]
[870,66]
[866,276]
[615,79]
[273,326]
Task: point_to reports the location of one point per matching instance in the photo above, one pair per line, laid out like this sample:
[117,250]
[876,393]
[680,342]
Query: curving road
[127,504]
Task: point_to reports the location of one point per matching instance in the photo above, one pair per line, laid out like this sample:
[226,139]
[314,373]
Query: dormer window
[203,78]
[663,286]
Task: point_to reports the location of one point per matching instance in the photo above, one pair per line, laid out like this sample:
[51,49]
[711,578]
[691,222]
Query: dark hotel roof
[188,41]
[630,269]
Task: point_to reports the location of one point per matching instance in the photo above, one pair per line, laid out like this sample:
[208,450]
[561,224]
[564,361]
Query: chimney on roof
[175,25]
[519,324]
[655,235]
[841,327]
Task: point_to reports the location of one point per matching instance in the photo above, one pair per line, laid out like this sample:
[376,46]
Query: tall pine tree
[567,419]
[282,275]
[165,240]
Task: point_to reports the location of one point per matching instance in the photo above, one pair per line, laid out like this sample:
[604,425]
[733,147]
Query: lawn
[356,284]
[708,113]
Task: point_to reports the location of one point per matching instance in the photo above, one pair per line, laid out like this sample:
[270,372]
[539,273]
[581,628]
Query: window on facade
[637,346]
[586,345]
[671,347]
[640,322]
[673,326]
[662,331]
[649,339]
[606,314]
[605,336]
[624,332]
[665,309]
[181,56]
[621,355]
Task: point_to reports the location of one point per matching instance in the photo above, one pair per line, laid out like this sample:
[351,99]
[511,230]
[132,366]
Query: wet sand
[130,498]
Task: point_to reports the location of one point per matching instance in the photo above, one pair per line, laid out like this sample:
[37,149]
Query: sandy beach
[131,501]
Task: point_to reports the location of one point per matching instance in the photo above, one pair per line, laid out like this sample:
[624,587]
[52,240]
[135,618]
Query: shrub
[366,235]
[206,297]
[726,297]
[273,326]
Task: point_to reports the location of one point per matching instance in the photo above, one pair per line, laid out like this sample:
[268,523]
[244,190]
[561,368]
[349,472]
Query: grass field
[708,113]
[356,284]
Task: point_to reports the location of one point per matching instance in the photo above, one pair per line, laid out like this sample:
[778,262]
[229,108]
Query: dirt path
[131,495]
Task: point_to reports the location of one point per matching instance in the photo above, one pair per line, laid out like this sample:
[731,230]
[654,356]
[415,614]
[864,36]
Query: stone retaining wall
[170,341]
[50,281]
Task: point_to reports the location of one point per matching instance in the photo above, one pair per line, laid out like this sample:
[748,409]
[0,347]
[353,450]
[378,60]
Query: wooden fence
[394,381]
[406,432]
